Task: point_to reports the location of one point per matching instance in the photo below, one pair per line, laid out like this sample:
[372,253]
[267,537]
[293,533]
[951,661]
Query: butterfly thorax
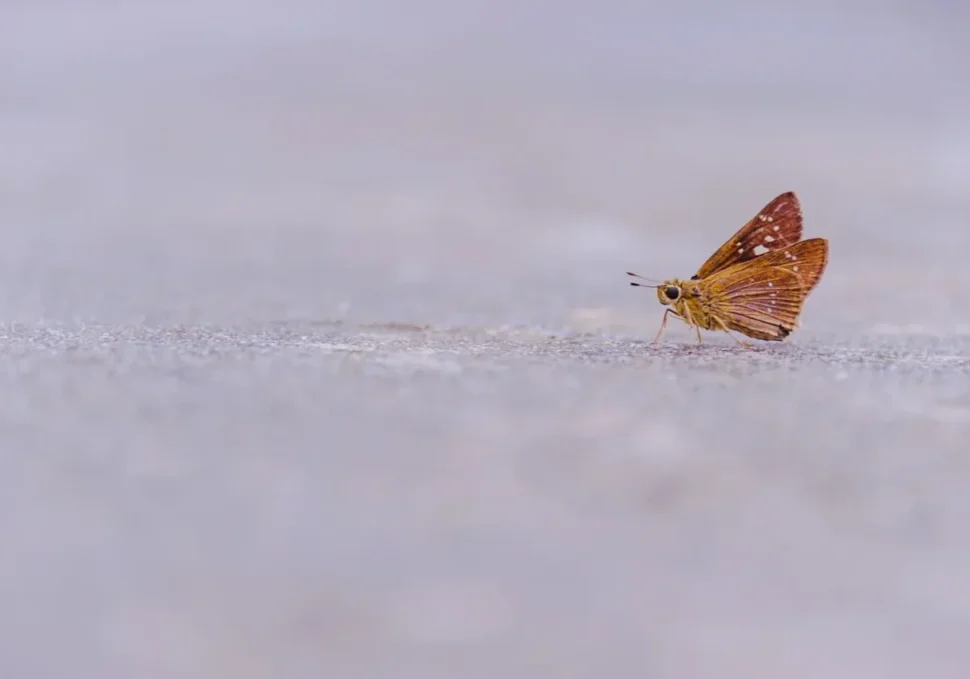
[687,300]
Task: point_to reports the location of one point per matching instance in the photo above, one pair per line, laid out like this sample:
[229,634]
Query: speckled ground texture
[317,356]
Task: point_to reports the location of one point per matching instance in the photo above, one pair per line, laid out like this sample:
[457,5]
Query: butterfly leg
[689,318]
[746,345]
[663,325]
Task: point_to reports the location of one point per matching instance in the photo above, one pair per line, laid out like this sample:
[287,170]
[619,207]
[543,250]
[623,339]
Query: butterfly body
[756,283]
[686,301]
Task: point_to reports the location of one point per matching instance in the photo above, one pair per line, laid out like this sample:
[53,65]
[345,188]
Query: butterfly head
[669,292]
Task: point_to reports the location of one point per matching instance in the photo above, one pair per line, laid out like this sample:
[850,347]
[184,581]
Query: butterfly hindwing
[776,226]
[763,297]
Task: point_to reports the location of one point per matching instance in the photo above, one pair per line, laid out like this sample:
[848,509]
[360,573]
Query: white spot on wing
[795,268]
[760,249]
[777,228]
[770,284]
[769,239]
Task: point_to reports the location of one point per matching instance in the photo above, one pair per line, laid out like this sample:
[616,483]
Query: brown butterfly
[756,283]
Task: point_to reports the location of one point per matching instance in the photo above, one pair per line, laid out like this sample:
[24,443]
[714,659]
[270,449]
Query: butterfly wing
[776,226]
[763,297]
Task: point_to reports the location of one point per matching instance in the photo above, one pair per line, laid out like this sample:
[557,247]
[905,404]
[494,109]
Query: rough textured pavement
[317,357]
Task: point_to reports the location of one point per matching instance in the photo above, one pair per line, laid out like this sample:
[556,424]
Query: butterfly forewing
[763,297]
[776,226]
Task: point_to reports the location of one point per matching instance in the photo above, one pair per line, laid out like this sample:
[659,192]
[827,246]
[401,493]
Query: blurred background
[425,161]
[192,194]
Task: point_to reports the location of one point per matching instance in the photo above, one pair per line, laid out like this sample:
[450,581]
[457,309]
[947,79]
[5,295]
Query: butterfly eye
[672,292]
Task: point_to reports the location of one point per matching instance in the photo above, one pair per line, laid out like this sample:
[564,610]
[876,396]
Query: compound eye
[672,292]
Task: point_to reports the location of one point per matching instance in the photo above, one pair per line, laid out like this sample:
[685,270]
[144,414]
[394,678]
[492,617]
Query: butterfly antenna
[644,278]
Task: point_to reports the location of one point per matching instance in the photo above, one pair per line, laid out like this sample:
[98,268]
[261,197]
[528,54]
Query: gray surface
[317,356]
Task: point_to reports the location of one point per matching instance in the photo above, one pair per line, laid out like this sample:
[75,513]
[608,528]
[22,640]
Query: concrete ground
[317,355]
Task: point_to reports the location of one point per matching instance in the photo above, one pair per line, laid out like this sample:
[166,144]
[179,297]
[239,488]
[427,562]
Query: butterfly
[756,283]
